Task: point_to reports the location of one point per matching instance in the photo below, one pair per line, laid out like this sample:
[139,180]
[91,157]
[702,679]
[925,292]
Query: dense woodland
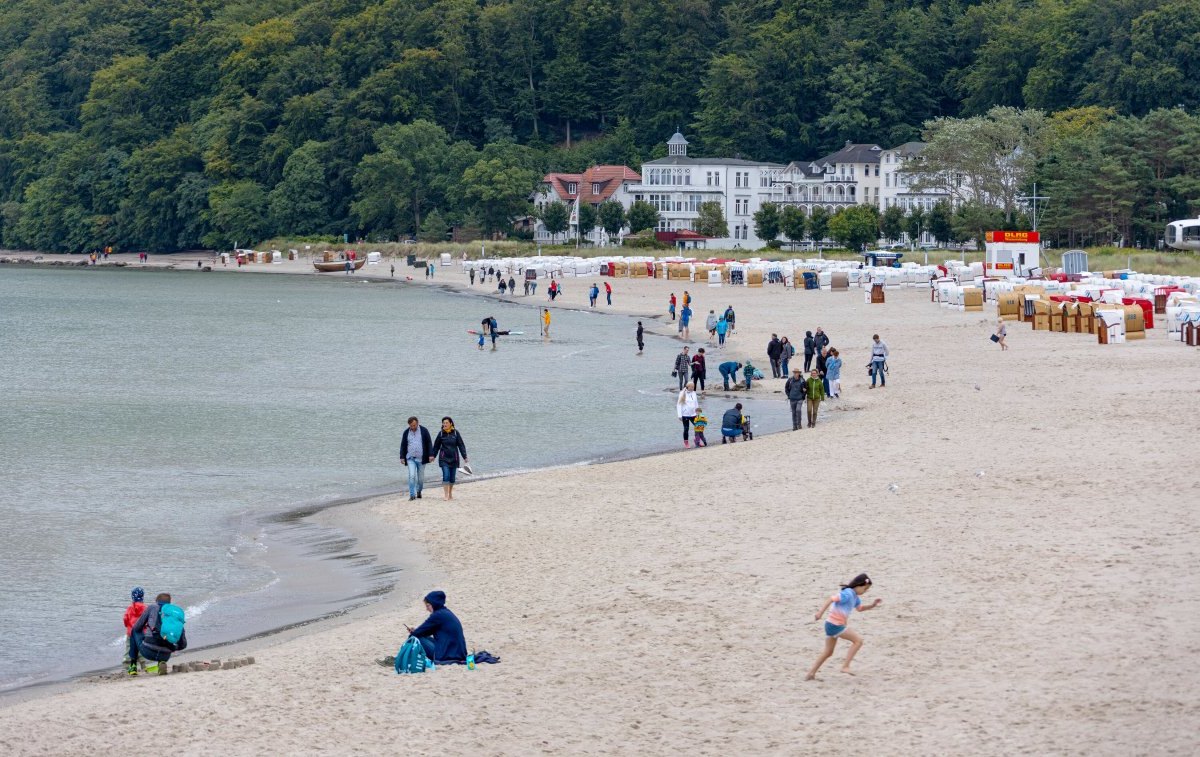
[174,124]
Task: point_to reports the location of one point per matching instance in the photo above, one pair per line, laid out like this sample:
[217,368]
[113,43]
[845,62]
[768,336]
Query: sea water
[153,426]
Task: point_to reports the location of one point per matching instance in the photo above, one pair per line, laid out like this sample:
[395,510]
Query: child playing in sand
[699,423]
[132,613]
[844,602]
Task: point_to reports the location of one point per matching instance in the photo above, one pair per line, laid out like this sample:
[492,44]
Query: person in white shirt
[686,407]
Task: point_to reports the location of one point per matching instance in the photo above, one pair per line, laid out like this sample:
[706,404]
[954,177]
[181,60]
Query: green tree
[794,223]
[498,192]
[642,216]
[767,222]
[818,224]
[611,215]
[556,217]
[237,214]
[855,227]
[588,218]
[939,222]
[433,228]
[710,220]
[891,223]
[972,219]
[914,224]
[298,203]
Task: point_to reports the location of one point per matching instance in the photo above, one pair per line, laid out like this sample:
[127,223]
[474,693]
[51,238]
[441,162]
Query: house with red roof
[593,186]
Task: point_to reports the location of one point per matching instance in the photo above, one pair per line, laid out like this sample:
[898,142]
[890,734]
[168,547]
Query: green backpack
[412,658]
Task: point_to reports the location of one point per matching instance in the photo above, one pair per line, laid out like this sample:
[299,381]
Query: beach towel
[481,656]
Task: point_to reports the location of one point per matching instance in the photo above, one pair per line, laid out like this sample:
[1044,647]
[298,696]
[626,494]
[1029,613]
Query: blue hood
[436,599]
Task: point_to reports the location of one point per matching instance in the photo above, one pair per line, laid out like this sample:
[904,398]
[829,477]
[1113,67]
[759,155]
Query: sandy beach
[1037,560]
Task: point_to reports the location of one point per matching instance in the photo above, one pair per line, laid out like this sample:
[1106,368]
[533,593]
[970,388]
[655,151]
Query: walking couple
[416,449]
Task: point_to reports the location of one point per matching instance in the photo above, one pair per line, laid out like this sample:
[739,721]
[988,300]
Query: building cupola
[677,146]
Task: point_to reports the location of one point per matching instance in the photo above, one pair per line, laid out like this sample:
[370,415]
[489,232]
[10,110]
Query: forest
[164,125]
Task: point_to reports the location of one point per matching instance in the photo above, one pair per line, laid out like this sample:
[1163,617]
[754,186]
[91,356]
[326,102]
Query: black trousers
[808,358]
[698,379]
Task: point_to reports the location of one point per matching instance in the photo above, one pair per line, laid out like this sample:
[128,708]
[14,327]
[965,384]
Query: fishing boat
[332,266]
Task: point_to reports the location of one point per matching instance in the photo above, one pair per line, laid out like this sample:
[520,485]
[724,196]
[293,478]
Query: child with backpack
[159,633]
[699,423]
[133,612]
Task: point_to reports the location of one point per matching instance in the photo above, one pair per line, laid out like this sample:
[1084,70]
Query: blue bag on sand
[412,658]
[170,622]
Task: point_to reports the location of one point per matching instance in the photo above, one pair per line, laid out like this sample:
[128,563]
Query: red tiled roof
[607,178]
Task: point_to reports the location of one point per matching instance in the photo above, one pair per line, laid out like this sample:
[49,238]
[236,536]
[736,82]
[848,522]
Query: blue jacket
[729,369]
[449,644]
[426,442]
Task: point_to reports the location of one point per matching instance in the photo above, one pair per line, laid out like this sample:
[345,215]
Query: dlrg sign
[1011,253]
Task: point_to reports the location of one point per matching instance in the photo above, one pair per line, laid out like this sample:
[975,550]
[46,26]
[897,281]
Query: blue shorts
[832,630]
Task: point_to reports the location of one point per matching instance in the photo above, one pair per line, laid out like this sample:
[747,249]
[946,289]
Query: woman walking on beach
[449,449]
[879,356]
[833,374]
[843,603]
[686,407]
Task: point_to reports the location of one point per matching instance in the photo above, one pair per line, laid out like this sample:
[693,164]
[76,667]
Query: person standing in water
[449,450]
[641,344]
[844,602]
[546,322]
[683,364]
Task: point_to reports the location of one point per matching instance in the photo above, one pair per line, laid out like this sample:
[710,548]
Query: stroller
[747,434]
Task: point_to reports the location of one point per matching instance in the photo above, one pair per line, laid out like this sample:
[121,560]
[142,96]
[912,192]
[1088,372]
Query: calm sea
[154,424]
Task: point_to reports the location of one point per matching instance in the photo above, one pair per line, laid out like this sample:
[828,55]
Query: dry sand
[664,605]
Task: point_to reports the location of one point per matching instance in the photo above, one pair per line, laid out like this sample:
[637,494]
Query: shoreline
[629,601]
[354,508]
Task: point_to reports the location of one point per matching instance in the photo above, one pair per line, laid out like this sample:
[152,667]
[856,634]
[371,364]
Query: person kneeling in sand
[844,602]
[441,634]
[149,631]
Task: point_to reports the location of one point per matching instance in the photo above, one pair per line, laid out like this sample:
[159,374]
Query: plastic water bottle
[471,660]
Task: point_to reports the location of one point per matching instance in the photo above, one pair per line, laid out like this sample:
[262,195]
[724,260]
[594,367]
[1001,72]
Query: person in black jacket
[731,424]
[442,633]
[820,340]
[150,645]
[449,449]
[415,448]
[774,352]
[810,349]
[796,390]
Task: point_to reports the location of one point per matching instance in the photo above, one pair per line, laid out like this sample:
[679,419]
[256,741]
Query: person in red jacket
[132,613]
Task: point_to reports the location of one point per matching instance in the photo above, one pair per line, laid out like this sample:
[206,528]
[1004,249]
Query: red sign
[1012,236]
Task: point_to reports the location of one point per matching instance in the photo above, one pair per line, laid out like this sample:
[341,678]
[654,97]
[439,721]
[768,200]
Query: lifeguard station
[1011,253]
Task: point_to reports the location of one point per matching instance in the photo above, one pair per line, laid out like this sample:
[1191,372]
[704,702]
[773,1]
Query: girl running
[844,602]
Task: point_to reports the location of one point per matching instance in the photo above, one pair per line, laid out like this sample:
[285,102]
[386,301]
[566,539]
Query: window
[708,178]
[595,188]
[572,188]
[741,206]
[764,180]
[716,178]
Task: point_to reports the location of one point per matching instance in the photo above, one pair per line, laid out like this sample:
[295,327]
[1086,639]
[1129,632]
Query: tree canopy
[169,124]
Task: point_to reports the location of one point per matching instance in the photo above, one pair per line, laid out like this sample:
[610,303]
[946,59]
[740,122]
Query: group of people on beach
[153,633]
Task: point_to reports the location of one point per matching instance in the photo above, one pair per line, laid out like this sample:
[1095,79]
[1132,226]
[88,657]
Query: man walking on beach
[593,293]
[774,352]
[608,292]
[730,318]
[796,390]
[699,369]
[710,324]
[820,341]
[414,448]
[641,343]
[685,318]
[671,306]
[879,356]
[682,364]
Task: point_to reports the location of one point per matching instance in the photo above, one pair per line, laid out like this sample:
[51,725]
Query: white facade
[677,185]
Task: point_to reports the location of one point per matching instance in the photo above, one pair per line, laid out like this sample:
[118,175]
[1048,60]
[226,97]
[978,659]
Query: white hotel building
[676,185]
[857,174]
